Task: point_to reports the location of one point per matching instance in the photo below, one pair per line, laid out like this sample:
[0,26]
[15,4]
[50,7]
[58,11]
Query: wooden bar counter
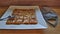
[49,30]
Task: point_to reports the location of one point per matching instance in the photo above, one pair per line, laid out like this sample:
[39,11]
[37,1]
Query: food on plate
[23,16]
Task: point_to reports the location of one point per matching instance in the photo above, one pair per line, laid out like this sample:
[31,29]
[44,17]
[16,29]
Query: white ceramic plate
[41,22]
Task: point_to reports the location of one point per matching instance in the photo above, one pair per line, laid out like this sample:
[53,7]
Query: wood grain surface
[49,30]
[30,2]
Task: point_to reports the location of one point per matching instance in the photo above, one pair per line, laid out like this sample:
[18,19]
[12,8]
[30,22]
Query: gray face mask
[48,13]
[50,16]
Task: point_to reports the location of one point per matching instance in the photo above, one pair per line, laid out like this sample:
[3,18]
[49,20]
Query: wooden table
[49,30]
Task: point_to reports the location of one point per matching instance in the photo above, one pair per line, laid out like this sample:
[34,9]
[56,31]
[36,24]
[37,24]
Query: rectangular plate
[41,22]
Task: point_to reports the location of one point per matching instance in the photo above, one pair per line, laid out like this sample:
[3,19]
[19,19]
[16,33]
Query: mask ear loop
[55,24]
